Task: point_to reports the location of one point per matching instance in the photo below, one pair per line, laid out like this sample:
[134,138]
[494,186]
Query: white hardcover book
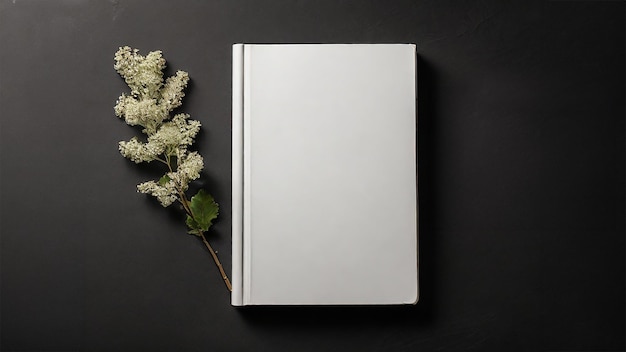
[324,174]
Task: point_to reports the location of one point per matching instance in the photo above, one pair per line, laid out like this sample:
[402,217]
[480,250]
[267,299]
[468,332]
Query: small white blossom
[166,193]
[173,90]
[139,152]
[190,168]
[143,112]
[144,75]
[165,139]
[187,171]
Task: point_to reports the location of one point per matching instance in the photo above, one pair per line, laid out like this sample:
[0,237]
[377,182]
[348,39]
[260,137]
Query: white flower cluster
[144,75]
[171,138]
[149,105]
[172,92]
[167,190]
[166,193]
[188,170]
[150,100]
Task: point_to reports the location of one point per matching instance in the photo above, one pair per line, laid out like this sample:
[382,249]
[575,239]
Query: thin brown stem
[163,161]
[185,203]
[183,200]
[217,262]
[168,162]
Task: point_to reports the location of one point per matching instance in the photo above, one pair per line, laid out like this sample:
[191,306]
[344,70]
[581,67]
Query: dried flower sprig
[149,105]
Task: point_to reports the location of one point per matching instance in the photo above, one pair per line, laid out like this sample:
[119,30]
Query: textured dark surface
[521,166]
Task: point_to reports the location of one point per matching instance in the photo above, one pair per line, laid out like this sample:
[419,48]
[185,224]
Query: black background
[521,178]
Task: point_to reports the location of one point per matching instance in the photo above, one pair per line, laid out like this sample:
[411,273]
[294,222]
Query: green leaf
[193,225]
[204,211]
[163,180]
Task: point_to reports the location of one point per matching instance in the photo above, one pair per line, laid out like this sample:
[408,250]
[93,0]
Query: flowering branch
[149,104]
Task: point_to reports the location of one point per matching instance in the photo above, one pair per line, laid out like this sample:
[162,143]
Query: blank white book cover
[324,174]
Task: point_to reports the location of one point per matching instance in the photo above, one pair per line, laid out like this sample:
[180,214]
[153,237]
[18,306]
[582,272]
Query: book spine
[247,152]
[417,221]
[237,182]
